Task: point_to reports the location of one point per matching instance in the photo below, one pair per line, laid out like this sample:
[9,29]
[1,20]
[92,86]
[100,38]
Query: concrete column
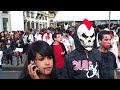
[48,23]
[118,21]
[9,23]
[1,22]
[26,29]
[30,20]
[39,25]
[42,26]
[34,25]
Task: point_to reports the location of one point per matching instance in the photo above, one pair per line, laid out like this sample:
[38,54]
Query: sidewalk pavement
[13,67]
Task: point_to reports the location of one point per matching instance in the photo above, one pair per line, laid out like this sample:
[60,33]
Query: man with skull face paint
[84,61]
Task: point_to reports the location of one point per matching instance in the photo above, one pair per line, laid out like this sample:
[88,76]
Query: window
[5,22]
[51,11]
[40,26]
[41,16]
[23,13]
[28,14]
[32,15]
[45,17]
[28,25]
[36,25]
[32,24]
[37,15]
[51,20]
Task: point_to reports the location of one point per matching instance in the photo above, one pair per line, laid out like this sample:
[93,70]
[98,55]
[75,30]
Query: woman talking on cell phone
[40,63]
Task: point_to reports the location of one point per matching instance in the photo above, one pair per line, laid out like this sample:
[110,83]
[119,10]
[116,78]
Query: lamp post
[109,18]
[25,22]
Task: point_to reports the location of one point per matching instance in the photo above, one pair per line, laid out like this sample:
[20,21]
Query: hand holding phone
[37,71]
[33,70]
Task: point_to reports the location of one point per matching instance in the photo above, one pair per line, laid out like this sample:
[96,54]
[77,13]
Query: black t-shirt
[108,65]
[79,66]
[21,42]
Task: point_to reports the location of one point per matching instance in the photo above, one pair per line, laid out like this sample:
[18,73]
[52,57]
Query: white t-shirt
[1,56]
[114,48]
[66,43]
[31,38]
[66,27]
[25,39]
[71,41]
[50,40]
[38,37]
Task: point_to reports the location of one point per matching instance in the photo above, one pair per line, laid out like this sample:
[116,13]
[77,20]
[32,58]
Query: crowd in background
[16,43]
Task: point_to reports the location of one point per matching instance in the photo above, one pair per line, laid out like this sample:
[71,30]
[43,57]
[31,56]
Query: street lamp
[25,23]
[109,18]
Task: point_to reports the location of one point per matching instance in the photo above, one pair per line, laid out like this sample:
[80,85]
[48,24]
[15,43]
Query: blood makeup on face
[105,42]
[47,70]
[107,46]
[44,71]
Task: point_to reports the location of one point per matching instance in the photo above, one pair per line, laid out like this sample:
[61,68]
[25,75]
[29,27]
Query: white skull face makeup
[86,34]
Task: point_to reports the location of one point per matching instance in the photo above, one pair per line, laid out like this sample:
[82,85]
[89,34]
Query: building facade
[5,21]
[36,19]
[32,19]
[52,15]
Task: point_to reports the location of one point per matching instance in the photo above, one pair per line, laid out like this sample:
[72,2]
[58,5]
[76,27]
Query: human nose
[109,42]
[47,61]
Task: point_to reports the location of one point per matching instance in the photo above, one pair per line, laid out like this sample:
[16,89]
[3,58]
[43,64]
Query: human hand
[32,68]
[62,53]
[19,45]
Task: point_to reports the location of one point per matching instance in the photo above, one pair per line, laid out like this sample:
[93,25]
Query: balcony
[5,12]
[51,11]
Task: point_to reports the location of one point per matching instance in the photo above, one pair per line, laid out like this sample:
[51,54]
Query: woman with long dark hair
[40,63]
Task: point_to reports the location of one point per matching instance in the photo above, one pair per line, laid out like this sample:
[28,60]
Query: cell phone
[37,71]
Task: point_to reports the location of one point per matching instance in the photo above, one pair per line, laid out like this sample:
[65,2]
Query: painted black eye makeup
[92,35]
[84,35]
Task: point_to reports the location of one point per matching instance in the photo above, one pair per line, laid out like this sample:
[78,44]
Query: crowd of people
[83,51]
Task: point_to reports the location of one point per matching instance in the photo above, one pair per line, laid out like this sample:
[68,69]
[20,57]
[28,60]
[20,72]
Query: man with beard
[84,61]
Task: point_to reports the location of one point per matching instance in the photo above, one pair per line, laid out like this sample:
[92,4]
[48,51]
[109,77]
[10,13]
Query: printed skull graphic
[86,34]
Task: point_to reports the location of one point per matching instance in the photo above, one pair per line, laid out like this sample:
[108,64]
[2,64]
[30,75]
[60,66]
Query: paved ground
[24,56]
[9,74]
[12,71]
[13,67]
